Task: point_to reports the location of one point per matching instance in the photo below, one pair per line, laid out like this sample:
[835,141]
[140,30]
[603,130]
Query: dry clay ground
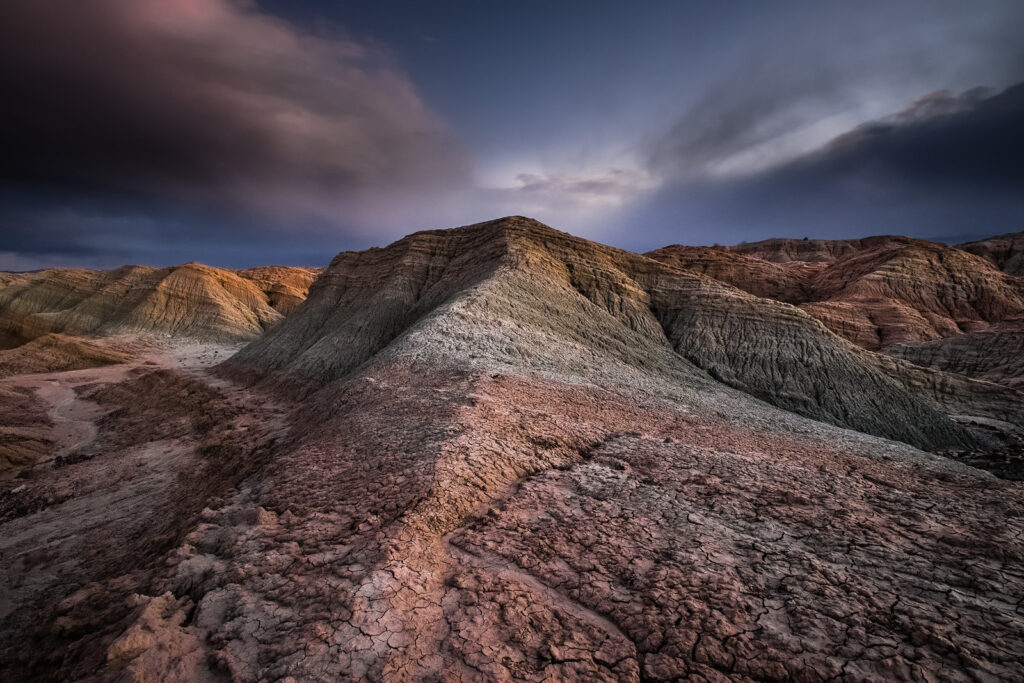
[466,524]
[127,455]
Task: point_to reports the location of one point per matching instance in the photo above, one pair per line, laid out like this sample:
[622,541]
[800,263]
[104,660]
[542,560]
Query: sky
[244,132]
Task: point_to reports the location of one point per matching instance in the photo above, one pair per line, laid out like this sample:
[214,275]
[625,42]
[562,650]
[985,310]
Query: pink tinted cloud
[211,102]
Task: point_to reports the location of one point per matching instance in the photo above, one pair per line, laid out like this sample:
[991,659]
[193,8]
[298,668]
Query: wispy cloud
[947,164]
[610,187]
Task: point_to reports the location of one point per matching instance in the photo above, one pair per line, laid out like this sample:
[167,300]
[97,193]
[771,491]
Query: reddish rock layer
[518,528]
[875,292]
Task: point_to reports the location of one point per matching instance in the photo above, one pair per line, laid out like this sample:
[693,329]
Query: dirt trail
[67,520]
[74,419]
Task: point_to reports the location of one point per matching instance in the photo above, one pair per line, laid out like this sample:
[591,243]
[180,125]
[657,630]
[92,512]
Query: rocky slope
[995,355]
[504,453]
[189,300]
[518,294]
[25,431]
[1005,251]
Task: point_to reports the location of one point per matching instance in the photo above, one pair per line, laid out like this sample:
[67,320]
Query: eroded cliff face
[192,300]
[914,291]
[784,250]
[788,282]
[285,286]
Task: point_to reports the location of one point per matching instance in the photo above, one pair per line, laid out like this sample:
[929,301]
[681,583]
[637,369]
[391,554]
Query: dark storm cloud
[248,131]
[816,72]
[947,165]
[971,143]
[207,103]
[101,233]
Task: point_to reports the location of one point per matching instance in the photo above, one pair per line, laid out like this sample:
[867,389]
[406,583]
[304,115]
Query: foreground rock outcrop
[504,453]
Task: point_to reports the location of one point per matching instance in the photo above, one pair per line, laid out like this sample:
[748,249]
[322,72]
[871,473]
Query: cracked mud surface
[519,529]
[770,580]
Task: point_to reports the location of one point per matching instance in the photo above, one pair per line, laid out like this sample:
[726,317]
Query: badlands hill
[522,294]
[1005,251]
[875,292]
[958,310]
[501,452]
[190,300]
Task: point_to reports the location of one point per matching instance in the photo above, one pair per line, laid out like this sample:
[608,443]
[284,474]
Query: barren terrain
[504,453]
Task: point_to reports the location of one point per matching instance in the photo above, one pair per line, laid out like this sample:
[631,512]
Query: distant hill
[190,300]
[1005,251]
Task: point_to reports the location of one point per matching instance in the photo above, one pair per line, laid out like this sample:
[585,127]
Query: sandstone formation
[190,300]
[504,453]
